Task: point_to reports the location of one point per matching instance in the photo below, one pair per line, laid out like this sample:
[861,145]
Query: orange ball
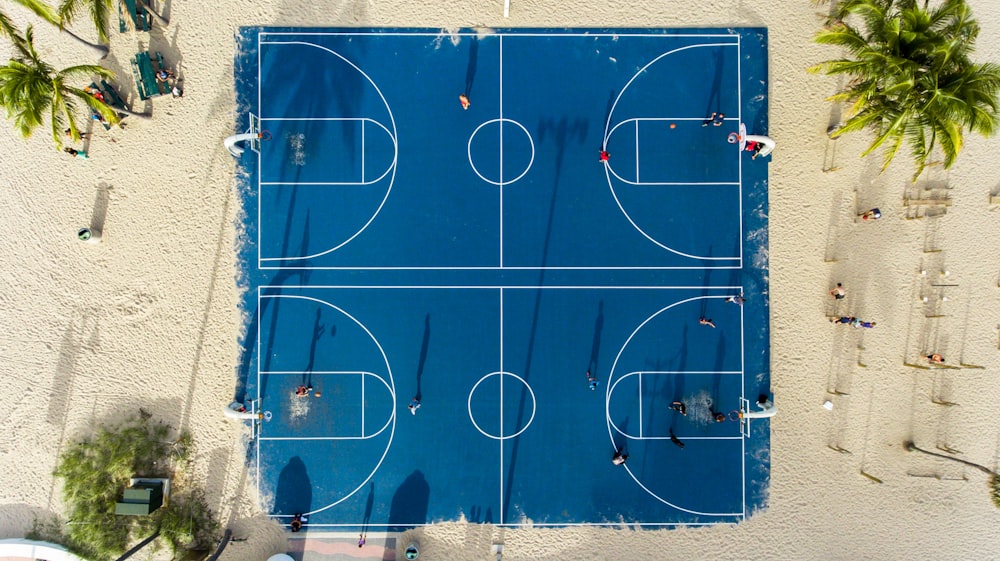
[673,125]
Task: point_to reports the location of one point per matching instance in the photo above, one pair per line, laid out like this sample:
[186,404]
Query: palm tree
[45,12]
[30,87]
[910,76]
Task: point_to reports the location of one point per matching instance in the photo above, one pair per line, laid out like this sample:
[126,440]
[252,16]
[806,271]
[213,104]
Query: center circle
[485,131]
[493,393]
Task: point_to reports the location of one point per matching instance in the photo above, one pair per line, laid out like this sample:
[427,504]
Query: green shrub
[97,469]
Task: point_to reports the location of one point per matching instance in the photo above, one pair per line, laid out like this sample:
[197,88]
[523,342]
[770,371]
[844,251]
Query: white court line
[393,135]
[701,372]
[263,267]
[612,428]
[607,132]
[481,36]
[500,93]
[739,99]
[527,524]
[501,406]
[496,287]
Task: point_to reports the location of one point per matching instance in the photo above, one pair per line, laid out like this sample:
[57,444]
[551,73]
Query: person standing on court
[619,458]
[413,406]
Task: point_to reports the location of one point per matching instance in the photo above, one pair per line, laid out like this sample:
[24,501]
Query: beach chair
[145,75]
[136,14]
[112,98]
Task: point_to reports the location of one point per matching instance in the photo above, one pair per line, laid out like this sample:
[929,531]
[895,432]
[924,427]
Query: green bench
[144,68]
[136,13]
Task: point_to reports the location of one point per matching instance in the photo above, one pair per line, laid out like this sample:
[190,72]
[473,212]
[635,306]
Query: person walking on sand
[935,358]
[413,406]
[838,292]
[707,321]
[873,214]
[464,100]
[74,152]
[592,381]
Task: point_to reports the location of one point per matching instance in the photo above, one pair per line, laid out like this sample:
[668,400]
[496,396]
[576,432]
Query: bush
[97,469]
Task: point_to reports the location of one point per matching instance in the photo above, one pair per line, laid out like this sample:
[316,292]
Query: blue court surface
[484,260]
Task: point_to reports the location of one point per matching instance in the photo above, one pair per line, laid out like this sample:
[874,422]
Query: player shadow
[714,103]
[620,440]
[318,329]
[703,303]
[608,107]
[424,344]
[409,503]
[470,69]
[595,346]
[715,397]
[293,493]
[736,274]
[100,211]
[369,506]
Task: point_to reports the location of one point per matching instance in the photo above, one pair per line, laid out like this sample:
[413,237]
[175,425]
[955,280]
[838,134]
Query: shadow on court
[409,503]
[424,344]
[714,104]
[470,70]
[369,505]
[294,491]
[595,346]
[561,133]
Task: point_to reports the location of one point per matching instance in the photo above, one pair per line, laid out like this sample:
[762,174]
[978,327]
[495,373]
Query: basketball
[317,394]
[673,125]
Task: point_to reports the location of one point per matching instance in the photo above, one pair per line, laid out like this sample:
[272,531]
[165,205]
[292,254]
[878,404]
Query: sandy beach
[150,316]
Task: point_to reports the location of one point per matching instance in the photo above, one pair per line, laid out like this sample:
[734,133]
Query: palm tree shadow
[595,346]
[470,69]
[703,309]
[560,132]
[409,503]
[318,329]
[714,102]
[293,493]
[369,506]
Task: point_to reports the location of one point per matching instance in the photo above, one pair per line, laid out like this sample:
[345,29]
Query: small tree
[97,468]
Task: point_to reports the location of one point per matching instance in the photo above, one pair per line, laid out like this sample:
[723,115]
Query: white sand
[149,317]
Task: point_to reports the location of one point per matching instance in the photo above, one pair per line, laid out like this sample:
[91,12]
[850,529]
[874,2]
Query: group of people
[839,293]
[853,322]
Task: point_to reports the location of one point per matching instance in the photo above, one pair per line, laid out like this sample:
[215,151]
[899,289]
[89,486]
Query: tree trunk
[222,545]
[911,447]
[102,50]
[139,546]
[152,12]
[131,113]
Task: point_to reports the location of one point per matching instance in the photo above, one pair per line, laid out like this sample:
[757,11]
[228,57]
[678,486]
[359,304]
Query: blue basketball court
[399,248]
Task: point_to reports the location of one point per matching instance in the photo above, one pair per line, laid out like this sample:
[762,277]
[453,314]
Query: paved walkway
[330,546]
